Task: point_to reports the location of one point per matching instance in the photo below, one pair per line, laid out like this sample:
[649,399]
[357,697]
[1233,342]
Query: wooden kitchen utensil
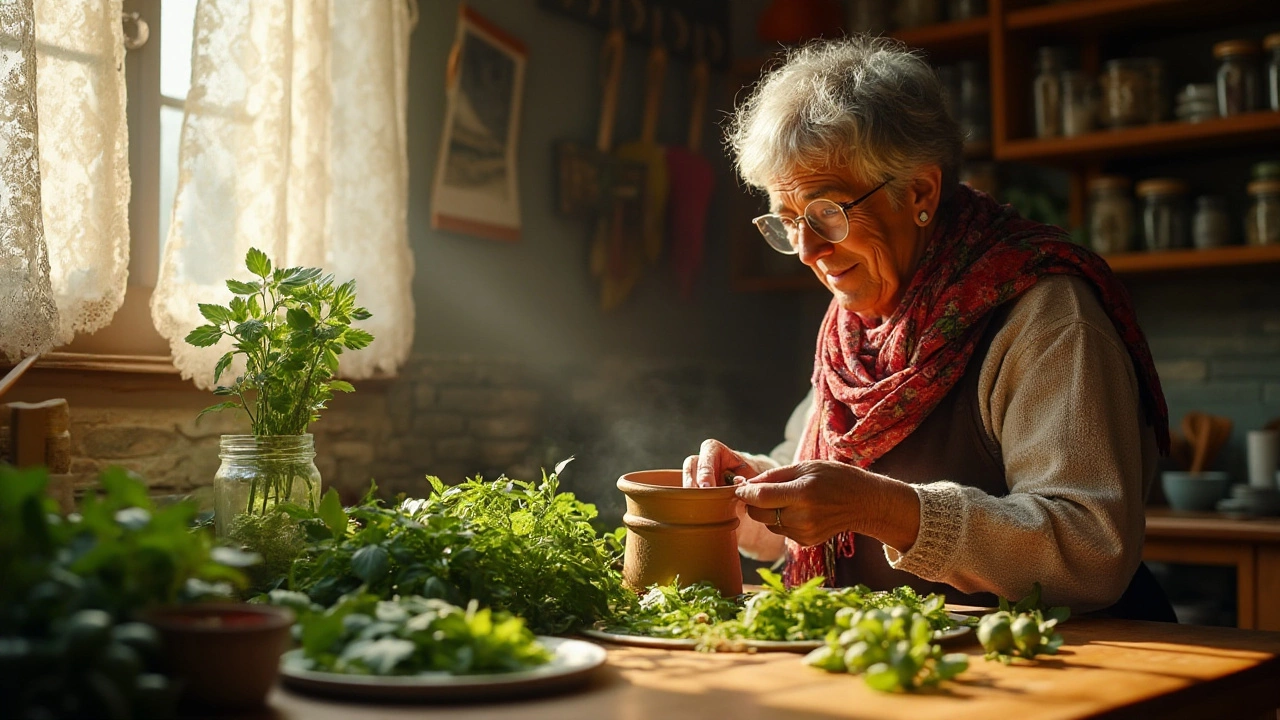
[692,181]
[1207,435]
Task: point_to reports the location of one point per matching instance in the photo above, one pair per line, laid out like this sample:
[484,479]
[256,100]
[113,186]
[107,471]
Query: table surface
[1111,668]
[1164,523]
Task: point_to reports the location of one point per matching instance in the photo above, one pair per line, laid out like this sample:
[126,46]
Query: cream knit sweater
[1058,395]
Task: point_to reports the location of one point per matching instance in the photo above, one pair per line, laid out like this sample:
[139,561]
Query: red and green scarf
[874,385]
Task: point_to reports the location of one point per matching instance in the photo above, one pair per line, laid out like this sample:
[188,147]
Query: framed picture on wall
[476,189]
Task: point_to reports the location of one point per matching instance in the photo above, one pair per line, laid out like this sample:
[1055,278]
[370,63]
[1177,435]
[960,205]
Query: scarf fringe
[806,563]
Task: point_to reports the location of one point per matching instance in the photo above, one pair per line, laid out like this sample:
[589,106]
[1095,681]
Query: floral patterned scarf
[875,385]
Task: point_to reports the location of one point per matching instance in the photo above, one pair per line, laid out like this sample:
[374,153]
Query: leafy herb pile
[805,612]
[517,546]
[365,635]
[290,324]
[69,587]
[891,649]
[1023,630]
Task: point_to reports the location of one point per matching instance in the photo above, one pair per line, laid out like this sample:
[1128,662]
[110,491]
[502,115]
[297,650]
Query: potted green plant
[288,325]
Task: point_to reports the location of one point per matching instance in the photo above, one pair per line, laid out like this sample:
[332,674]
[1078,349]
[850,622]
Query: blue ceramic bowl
[1194,491]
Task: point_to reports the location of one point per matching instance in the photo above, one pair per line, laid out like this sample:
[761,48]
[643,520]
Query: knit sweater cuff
[941,511]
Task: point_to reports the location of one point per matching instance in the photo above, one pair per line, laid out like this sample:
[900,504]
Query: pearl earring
[924,216]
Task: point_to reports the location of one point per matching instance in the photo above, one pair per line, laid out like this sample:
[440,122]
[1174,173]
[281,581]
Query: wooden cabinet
[1100,29]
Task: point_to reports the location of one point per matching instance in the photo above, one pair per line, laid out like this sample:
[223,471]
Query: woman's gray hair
[864,103]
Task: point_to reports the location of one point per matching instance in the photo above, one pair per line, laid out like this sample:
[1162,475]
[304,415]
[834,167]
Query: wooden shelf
[962,37]
[1102,16]
[1146,140]
[1151,262]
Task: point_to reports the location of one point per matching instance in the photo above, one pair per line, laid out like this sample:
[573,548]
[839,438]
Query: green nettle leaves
[290,325]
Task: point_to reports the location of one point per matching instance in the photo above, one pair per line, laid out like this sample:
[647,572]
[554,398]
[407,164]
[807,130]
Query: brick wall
[1216,341]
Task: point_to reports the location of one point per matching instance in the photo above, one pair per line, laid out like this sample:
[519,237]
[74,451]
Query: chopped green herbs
[365,635]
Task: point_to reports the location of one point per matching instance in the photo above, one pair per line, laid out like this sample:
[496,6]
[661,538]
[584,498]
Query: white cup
[1264,456]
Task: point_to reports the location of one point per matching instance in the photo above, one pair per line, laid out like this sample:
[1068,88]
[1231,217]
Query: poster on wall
[476,189]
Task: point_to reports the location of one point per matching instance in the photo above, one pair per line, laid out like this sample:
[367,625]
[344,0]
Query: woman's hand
[811,502]
[716,465]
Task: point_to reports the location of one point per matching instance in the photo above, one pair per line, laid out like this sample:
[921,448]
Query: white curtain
[64,171]
[293,142]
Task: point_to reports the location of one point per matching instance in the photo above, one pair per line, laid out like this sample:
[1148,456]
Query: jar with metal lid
[1078,106]
[1110,214]
[1047,91]
[1271,44]
[975,103]
[1237,76]
[1262,223]
[1210,227]
[1126,93]
[1164,213]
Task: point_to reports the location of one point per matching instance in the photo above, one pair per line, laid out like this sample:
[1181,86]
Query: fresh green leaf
[341,386]
[243,288]
[229,405]
[361,314]
[370,563]
[223,363]
[216,314]
[204,336]
[355,339]
[257,262]
[299,319]
[334,517]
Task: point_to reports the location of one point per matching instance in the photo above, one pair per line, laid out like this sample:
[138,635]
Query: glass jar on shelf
[974,101]
[1197,102]
[1237,76]
[1047,91]
[1210,227]
[1262,223]
[1164,213]
[966,9]
[1271,44]
[917,13]
[1157,89]
[1110,214]
[1078,106]
[1126,93]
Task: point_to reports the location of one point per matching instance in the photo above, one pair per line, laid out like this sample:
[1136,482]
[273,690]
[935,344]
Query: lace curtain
[64,172]
[293,142]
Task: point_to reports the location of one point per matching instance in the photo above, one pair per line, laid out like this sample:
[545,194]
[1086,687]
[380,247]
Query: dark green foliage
[521,547]
[290,324]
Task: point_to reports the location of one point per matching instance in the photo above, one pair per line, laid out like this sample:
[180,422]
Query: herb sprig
[290,325]
[891,649]
[1022,630]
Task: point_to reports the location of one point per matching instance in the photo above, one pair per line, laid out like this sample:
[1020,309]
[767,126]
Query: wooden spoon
[1196,426]
[1219,432]
[1180,449]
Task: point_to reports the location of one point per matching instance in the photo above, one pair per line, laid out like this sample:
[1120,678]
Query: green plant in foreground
[891,649]
[1023,630]
[363,634]
[290,325]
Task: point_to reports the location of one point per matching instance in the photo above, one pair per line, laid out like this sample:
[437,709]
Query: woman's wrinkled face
[869,270]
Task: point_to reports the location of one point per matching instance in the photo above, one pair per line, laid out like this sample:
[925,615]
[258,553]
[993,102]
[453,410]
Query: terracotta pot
[674,531]
[226,655]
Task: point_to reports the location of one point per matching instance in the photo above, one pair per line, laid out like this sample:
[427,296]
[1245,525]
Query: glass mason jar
[260,473]
[1164,213]
[1210,227]
[1157,89]
[1126,93]
[1047,90]
[1110,214]
[1078,107]
[1272,45]
[1237,76]
[1262,223]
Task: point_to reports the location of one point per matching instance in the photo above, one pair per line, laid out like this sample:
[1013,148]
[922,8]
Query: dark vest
[952,444]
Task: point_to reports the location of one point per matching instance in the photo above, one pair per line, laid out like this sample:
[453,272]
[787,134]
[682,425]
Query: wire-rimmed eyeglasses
[827,218]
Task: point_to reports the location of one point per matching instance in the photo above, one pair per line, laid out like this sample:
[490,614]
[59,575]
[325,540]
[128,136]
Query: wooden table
[1252,547]
[1110,668]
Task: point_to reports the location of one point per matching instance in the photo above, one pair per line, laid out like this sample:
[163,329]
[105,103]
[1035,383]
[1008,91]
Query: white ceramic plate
[759,645]
[572,664]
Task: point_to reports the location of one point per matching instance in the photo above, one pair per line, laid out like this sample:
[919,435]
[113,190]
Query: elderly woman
[985,413]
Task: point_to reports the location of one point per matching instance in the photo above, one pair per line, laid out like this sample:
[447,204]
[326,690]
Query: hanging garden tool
[646,150]
[692,180]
